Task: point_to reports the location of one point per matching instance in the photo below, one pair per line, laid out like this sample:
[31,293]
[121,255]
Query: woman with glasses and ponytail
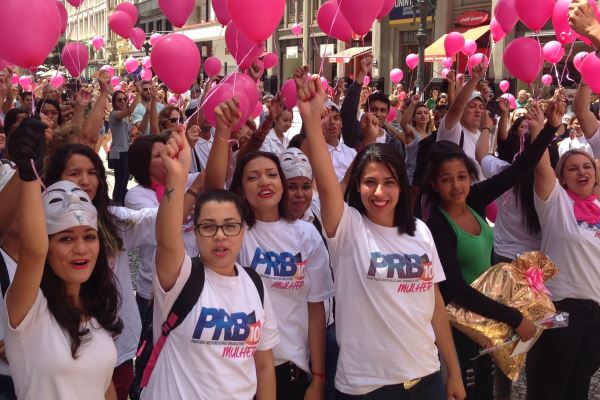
[169,117]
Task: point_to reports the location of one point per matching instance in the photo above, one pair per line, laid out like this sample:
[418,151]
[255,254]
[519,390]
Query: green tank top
[474,252]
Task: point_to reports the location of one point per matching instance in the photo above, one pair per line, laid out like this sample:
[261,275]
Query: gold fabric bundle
[517,284]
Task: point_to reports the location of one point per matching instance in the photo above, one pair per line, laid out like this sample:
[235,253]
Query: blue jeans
[431,387]
[121,178]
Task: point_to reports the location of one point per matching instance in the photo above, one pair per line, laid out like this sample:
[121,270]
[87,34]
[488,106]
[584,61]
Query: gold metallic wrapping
[507,284]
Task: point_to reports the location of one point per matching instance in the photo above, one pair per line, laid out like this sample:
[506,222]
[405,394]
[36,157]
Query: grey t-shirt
[121,135]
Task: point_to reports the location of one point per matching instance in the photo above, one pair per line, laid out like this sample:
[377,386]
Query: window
[159,25]
[150,26]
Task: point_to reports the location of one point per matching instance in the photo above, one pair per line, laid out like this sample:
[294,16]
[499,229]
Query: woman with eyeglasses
[222,349]
[289,255]
[169,117]
[120,127]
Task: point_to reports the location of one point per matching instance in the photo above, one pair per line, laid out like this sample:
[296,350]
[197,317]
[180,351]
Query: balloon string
[566,62]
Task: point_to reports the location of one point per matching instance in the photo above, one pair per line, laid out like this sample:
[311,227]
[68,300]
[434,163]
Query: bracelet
[485,128]
[319,375]
[192,193]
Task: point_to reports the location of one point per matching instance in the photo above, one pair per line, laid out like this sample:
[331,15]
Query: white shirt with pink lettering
[385,297]
[211,354]
[293,263]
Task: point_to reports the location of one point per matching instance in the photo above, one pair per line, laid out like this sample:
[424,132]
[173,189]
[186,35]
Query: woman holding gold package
[563,361]
[465,241]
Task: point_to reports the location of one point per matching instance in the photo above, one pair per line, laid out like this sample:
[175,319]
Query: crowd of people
[317,266]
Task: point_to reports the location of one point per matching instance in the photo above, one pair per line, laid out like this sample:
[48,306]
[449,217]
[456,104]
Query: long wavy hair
[99,299]
[107,223]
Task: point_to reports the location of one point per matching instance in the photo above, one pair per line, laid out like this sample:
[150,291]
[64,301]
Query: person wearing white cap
[341,155]
[62,303]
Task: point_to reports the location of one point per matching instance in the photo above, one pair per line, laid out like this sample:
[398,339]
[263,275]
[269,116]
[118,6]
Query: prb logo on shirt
[238,332]
[413,273]
[285,269]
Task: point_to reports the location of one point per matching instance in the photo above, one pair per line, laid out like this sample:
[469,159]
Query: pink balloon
[365,82]
[154,38]
[506,15]
[130,9]
[412,60]
[491,211]
[385,9]
[589,72]
[445,72]
[258,19]
[476,59]
[244,87]
[146,62]
[137,36]
[64,16]
[514,62]
[512,102]
[270,60]
[75,3]
[115,80]
[244,50]
[297,29]
[121,23]
[257,110]
[146,74]
[396,75]
[15,79]
[332,22]
[547,80]
[220,93]
[109,69]
[534,15]
[289,94]
[560,21]
[75,57]
[392,114]
[57,80]
[177,11]
[504,86]
[98,42]
[453,43]
[496,30]
[470,47]
[130,64]
[447,62]
[361,14]
[325,84]
[221,11]
[180,75]
[29,31]
[25,81]
[553,51]
[212,66]
[578,59]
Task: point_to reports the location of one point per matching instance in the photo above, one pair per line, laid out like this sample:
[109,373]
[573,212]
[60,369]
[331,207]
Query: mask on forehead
[66,206]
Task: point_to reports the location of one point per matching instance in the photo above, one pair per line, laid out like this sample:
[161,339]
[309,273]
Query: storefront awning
[347,55]
[436,52]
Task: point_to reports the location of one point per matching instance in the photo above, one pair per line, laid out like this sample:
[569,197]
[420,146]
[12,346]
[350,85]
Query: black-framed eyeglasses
[210,230]
[175,120]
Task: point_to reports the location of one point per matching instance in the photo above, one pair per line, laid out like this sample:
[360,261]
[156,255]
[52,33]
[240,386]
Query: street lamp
[424,7]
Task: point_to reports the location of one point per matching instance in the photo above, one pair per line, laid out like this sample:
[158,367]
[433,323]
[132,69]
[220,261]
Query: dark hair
[384,154]
[25,94]
[441,107]
[114,97]
[378,96]
[237,186]
[441,152]
[106,221]
[40,105]
[220,196]
[11,117]
[163,115]
[139,157]
[297,141]
[99,299]
[508,148]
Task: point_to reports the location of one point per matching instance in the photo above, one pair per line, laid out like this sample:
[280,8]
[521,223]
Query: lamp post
[424,7]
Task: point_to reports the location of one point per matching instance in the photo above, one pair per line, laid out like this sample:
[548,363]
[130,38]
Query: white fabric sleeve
[549,209]
[491,166]
[39,306]
[594,142]
[349,223]
[137,200]
[137,227]
[164,300]
[452,135]
[317,268]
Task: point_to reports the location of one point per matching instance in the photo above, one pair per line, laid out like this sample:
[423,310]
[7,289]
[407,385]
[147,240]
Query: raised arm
[407,115]
[350,129]
[169,242]
[129,110]
[9,198]
[93,124]
[581,106]
[311,98]
[544,176]
[457,107]
[504,118]
[583,20]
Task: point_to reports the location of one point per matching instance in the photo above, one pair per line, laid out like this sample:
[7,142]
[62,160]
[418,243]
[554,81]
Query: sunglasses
[174,120]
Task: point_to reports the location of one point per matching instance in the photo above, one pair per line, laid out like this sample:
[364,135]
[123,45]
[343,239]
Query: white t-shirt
[292,260]
[594,142]
[210,355]
[11,267]
[469,141]
[273,145]
[511,236]
[575,143]
[384,303]
[136,230]
[202,149]
[574,247]
[140,112]
[341,157]
[138,198]
[41,365]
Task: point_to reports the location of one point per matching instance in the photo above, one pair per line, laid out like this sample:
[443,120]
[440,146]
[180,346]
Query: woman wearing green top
[432,101]
[464,240]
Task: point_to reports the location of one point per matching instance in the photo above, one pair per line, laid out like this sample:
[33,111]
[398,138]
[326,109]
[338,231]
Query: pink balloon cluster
[137,36]
[244,50]
[332,22]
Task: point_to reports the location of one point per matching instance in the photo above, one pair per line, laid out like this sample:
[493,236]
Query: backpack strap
[186,300]
[4,278]
[257,282]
